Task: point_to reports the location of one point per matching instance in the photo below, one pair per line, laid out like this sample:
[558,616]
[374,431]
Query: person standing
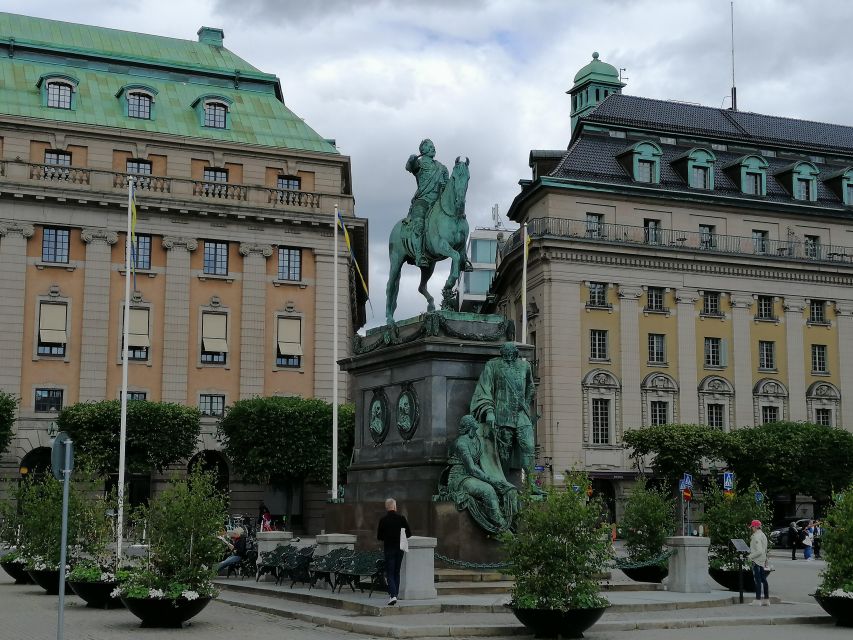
[808,541]
[758,556]
[390,527]
[818,535]
[793,538]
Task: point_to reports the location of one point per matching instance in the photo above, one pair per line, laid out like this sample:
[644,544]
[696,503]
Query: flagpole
[124,358]
[335,361]
[524,285]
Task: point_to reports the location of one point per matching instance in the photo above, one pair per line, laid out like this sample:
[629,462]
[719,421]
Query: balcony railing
[162,187]
[673,239]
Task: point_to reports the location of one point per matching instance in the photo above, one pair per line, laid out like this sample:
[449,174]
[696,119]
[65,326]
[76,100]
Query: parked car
[779,535]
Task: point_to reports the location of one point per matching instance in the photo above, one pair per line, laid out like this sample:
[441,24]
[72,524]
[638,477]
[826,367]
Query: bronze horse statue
[446,232]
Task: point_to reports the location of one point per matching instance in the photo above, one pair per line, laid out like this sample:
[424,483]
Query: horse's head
[459,177]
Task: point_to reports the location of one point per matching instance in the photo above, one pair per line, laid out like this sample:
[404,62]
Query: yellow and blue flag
[352,257]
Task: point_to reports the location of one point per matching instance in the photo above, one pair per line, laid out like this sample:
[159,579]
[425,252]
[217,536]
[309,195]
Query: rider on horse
[431,176]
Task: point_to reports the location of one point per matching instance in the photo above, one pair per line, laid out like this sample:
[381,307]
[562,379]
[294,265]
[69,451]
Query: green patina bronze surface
[434,229]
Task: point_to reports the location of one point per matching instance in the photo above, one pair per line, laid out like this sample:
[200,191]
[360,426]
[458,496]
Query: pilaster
[741,358]
[844,317]
[94,336]
[176,327]
[13,267]
[794,324]
[323,323]
[253,318]
[688,384]
[629,331]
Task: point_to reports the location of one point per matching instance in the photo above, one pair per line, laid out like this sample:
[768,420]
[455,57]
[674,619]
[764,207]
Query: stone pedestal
[417,575]
[269,540]
[327,542]
[688,566]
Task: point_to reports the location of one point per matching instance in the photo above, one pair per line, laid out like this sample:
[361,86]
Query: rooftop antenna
[496,217]
[734,88]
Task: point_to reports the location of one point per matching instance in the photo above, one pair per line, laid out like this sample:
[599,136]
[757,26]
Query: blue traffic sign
[539,467]
[688,481]
[728,480]
[576,488]
[681,485]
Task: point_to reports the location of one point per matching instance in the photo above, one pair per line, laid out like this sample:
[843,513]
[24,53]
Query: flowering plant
[91,571]
[837,547]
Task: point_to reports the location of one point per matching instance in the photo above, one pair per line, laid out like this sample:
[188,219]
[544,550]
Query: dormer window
[750,172]
[752,183]
[840,183]
[642,161]
[802,180]
[58,92]
[139,106]
[700,178]
[214,115]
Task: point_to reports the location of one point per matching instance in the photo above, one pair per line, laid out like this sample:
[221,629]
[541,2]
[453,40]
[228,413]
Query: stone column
[741,359]
[323,303]
[94,337]
[253,343]
[176,327]
[794,323]
[629,339]
[688,566]
[844,318]
[13,267]
[417,575]
[688,402]
[327,542]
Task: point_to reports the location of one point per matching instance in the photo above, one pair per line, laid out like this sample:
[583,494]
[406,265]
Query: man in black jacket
[390,527]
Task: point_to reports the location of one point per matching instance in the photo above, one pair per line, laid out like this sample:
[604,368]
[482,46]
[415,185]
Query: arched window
[660,399]
[601,409]
[750,172]
[58,91]
[823,402]
[137,101]
[642,161]
[214,111]
[700,169]
[770,401]
[716,403]
[801,180]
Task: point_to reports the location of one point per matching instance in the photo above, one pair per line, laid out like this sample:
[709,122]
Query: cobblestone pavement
[27,613]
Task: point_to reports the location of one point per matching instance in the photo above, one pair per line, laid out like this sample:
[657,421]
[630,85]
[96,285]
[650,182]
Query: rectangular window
[139,396]
[484,251]
[211,404]
[764,308]
[716,415]
[700,178]
[598,344]
[48,400]
[139,167]
[52,329]
[600,421]
[803,189]
[713,352]
[141,252]
[823,417]
[478,281]
[655,299]
[138,340]
[769,414]
[139,106]
[645,171]
[819,364]
[759,241]
[752,183]
[58,162]
[658,412]
[289,183]
[657,348]
[766,355]
[215,115]
[652,231]
[59,95]
[817,311]
[289,350]
[597,294]
[595,225]
[849,194]
[708,236]
[215,182]
[215,258]
[711,303]
[54,245]
[289,264]
[214,338]
[812,247]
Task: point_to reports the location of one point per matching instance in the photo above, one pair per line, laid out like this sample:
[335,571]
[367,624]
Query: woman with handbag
[758,556]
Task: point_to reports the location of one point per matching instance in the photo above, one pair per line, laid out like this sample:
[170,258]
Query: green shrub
[837,545]
[728,517]
[559,549]
[8,408]
[648,520]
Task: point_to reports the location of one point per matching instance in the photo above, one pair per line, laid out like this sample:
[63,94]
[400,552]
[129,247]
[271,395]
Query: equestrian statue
[434,229]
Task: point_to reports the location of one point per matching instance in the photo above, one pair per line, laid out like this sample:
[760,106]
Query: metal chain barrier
[471,565]
[625,563]
[616,563]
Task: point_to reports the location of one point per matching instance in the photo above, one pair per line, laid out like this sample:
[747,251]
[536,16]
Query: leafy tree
[8,407]
[677,448]
[279,441]
[792,457]
[837,547]
[727,516]
[648,520]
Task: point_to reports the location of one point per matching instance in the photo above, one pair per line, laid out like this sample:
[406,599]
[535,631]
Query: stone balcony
[603,234]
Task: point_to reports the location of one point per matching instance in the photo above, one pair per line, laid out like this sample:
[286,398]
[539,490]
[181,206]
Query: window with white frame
[214,338]
[766,355]
[658,412]
[601,408]
[594,224]
[764,308]
[708,236]
[139,105]
[716,415]
[645,171]
[141,252]
[289,183]
[811,247]
[819,362]
[215,258]
[711,303]
[597,294]
[598,344]
[817,311]
[211,404]
[289,264]
[803,189]
[752,183]
[823,417]
[53,335]
[289,343]
[215,115]
[715,353]
[652,231]
[138,396]
[600,421]
[700,177]
[655,299]
[760,241]
[657,348]
[55,244]
[138,340]
[59,95]
[769,414]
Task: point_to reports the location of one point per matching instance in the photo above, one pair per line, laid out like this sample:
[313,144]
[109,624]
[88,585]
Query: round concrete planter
[18,571]
[728,579]
[548,623]
[157,612]
[48,579]
[653,573]
[96,594]
[841,609]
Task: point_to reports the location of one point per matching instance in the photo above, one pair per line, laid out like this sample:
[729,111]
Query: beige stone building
[236,197]
[688,264]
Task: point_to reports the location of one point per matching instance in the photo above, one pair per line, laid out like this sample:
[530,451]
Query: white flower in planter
[190,595]
[115,593]
[156,593]
[841,593]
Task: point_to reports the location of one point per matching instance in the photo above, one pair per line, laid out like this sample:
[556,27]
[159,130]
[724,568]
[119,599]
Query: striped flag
[352,257]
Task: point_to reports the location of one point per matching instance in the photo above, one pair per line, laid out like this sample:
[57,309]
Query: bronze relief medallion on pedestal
[408,412]
[377,419]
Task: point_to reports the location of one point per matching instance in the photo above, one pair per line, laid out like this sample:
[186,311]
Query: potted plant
[177,582]
[556,556]
[835,593]
[11,559]
[648,520]
[727,517]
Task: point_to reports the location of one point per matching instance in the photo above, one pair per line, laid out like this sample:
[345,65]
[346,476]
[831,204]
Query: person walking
[818,535]
[389,533]
[793,538]
[758,556]
[808,542]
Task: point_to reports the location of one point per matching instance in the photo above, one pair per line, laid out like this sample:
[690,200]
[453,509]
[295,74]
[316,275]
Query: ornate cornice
[794,305]
[844,307]
[628,292]
[687,296]
[91,235]
[25,230]
[248,248]
[171,242]
[741,300]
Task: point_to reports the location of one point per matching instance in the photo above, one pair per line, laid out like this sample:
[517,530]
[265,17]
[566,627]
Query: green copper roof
[256,116]
[113,43]
[597,71]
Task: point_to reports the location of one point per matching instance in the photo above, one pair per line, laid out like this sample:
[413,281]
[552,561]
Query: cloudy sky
[487,78]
